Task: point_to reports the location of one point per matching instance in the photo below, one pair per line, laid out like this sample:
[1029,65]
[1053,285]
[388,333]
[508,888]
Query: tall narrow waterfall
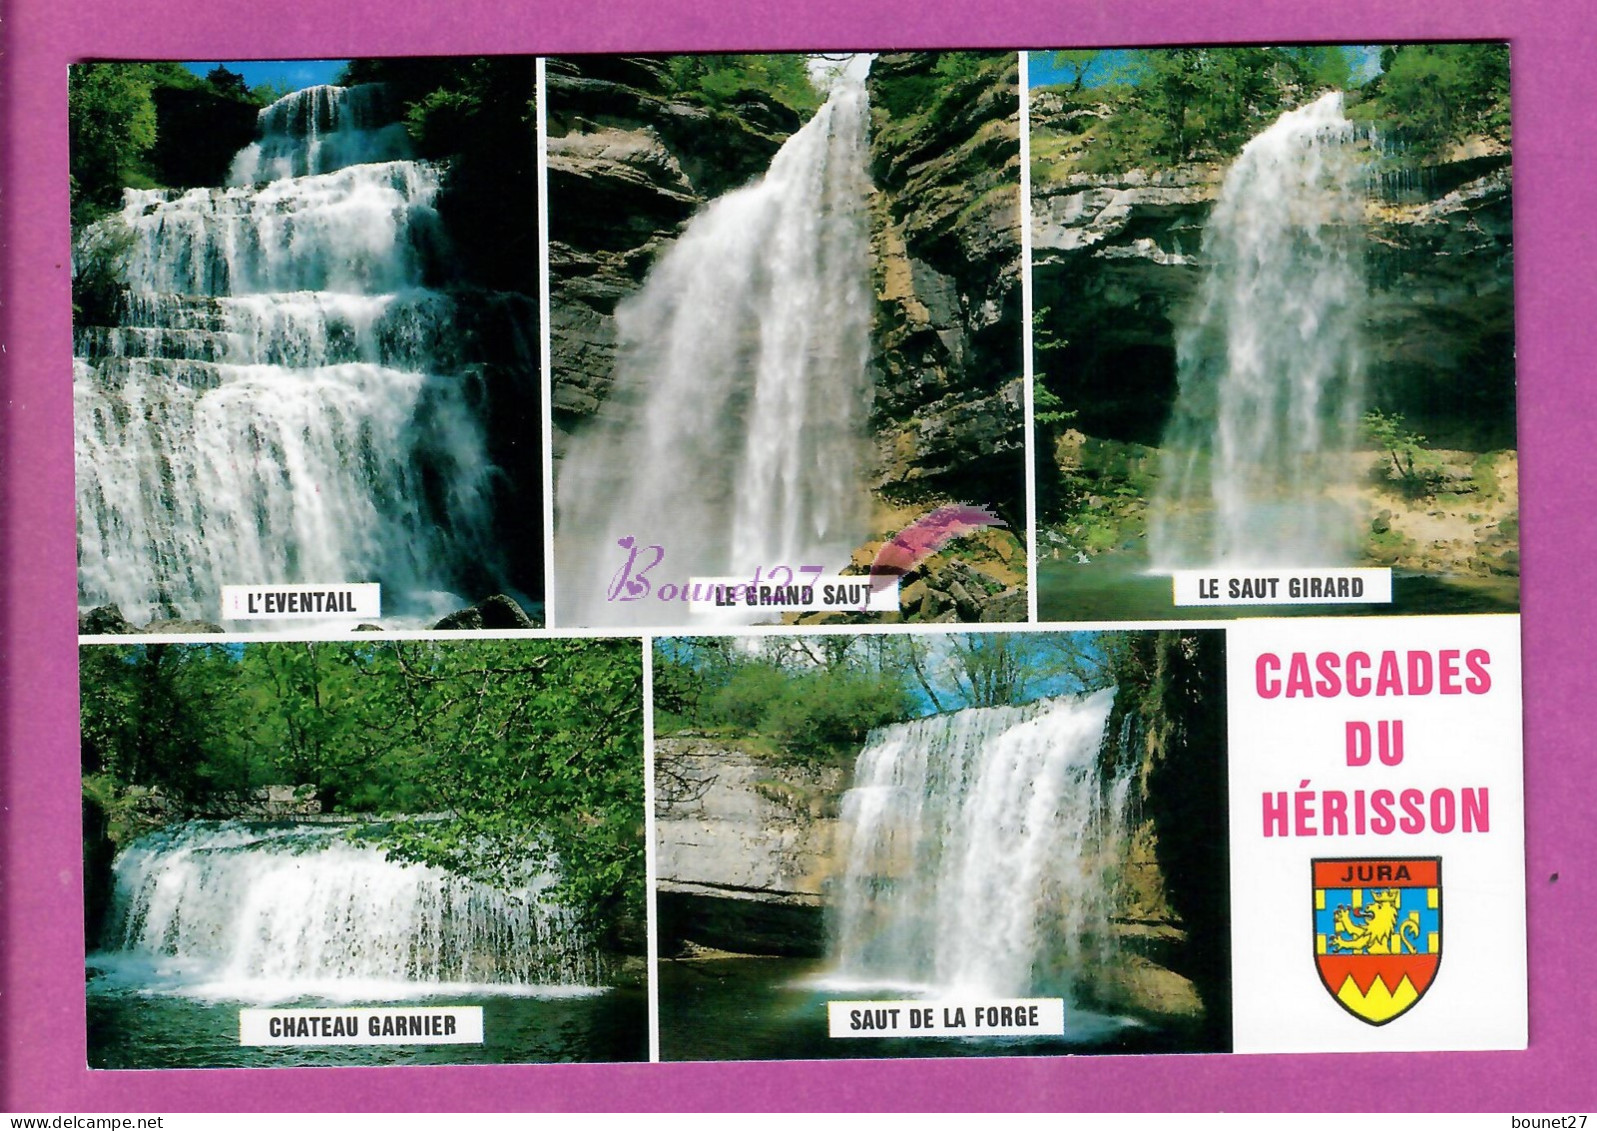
[283,911]
[734,433]
[1269,361]
[980,849]
[282,399]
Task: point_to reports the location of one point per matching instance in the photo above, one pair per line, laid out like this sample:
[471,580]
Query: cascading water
[281,399]
[320,129]
[734,433]
[277,912]
[980,849]
[1269,361]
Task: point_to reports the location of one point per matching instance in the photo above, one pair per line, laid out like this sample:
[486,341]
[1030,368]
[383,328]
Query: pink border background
[42,1008]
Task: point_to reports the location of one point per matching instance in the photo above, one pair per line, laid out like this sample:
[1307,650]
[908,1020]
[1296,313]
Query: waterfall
[734,434]
[320,129]
[281,398]
[980,850]
[277,912]
[1257,451]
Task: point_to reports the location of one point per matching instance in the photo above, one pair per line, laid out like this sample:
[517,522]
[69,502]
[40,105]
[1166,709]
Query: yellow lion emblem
[1374,929]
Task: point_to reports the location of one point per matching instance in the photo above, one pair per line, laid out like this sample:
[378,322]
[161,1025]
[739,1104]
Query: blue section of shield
[1413,901]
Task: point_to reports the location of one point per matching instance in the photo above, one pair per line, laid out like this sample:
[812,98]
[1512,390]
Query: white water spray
[275,912]
[275,404]
[320,129]
[980,849]
[734,434]
[1269,361]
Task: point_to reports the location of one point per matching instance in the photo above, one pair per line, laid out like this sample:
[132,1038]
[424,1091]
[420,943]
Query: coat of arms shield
[1378,932]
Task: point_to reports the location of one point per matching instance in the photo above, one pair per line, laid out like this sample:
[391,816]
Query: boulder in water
[105,620]
[173,627]
[495,612]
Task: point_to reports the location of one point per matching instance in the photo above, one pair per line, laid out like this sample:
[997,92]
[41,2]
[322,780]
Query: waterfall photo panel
[929,844]
[785,331]
[1273,331]
[306,384]
[373,852]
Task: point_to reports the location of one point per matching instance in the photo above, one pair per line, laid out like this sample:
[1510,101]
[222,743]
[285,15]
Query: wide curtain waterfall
[281,397]
[980,851]
[734,434]
[275,912]
[1257,454]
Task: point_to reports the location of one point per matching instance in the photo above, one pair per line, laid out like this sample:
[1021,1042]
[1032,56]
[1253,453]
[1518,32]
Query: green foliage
[99,285]
[450,104]
[827,714]
[1170,105]
[724,80]
[1415,471]
[1431,95]
[521,747]
[1080,65]
[532,745]
[269,92]
[1203,103]
[990,669]
[1318,68]
[1483,474]
[227,83]
[816,698]
[110,124]
[928,93]
[811,698]
[437,120]
[1048,407]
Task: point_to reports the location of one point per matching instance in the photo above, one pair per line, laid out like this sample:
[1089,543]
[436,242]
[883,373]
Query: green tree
[1414,469]
[110,124]
[534,748]
[1076,66]
[989,669]
[722,80]
[228,83]
[161,716]
[1207,100]
[1203,103]
[1435,94]
[811,698]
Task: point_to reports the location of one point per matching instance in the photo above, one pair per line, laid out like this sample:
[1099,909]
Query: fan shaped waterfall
[276,912]
[980,850]
[1269,360]
[734,434]
[281,398]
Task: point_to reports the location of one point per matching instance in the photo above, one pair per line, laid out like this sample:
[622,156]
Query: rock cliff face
[1441,272]
[744,848]
[1172,916]
[945,149]
[628,165]
[1117,258]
